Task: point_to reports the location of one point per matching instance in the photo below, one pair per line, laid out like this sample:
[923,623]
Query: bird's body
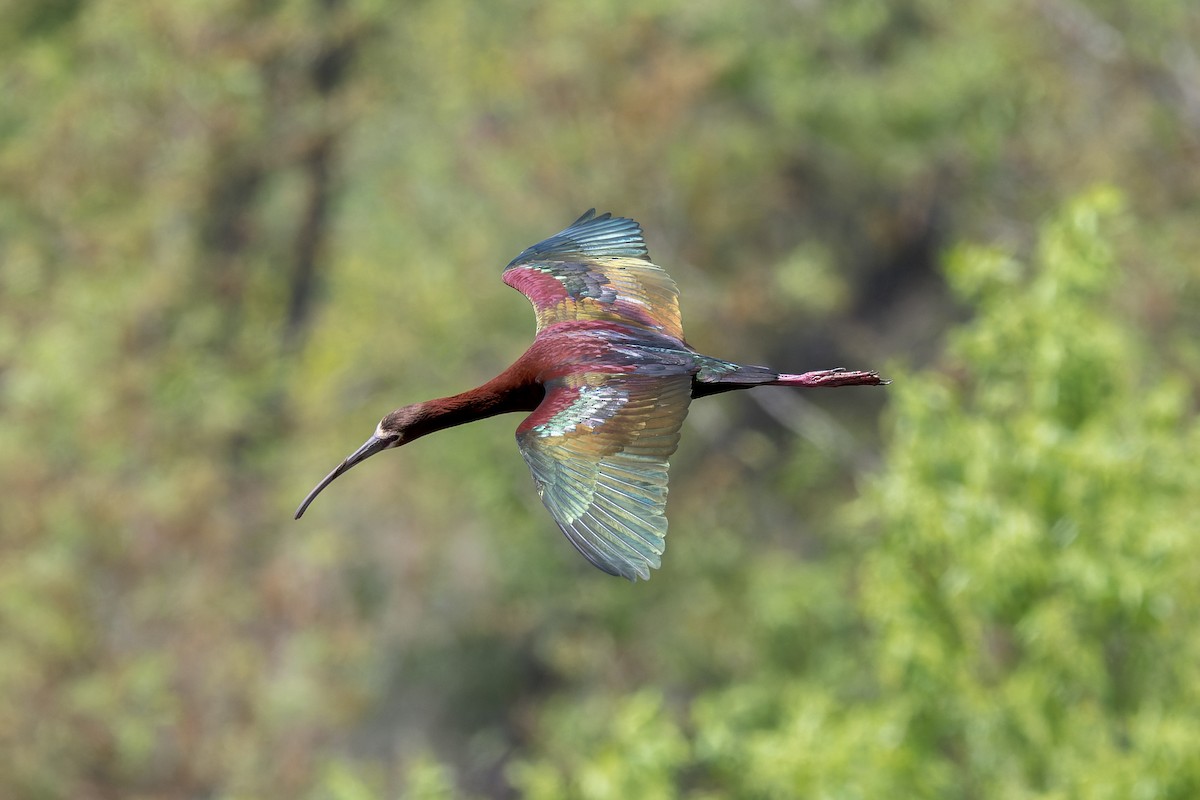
[606,384]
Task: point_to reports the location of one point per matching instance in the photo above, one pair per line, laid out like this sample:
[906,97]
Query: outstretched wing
[598,447]
[597,269]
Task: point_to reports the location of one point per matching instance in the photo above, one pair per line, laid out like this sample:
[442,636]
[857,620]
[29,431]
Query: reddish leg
[831,377]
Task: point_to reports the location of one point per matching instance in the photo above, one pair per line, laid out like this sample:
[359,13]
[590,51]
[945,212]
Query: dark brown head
[397,428]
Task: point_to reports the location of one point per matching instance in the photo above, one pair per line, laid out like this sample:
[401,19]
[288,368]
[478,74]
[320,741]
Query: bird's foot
[838,376]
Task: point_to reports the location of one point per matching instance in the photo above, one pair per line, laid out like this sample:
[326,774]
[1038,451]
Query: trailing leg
[831,377]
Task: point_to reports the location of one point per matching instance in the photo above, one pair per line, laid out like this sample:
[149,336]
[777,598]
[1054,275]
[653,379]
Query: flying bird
[606,382]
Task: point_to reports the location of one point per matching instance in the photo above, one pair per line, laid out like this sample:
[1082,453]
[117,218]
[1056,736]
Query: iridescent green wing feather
[597,269]
[598,447]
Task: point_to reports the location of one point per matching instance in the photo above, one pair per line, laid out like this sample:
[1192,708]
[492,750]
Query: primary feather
[598,447]
[597,269]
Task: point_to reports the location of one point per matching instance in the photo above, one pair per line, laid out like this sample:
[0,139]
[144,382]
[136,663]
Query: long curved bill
[373,445]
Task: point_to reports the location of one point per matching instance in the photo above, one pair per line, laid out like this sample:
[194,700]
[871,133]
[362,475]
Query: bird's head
[397,428]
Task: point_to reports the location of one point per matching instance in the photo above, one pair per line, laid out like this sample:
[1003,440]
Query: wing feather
[598,449]
[597,269]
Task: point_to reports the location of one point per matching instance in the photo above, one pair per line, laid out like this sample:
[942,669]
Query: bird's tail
[716,376]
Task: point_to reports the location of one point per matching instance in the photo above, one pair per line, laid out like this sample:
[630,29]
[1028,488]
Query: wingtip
[641,569]
[590,216]
[590,236]
[635,572]
[631,575]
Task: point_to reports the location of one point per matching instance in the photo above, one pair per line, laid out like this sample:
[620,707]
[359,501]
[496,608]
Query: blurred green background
[234,234]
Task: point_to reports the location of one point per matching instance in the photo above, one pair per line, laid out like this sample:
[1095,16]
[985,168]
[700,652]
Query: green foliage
[1035,557]
[1023,597]
[631,750]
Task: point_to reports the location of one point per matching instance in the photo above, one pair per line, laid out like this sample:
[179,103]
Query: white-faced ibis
[608,380]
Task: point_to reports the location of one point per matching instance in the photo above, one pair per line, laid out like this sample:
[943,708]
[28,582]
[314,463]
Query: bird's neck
[500,395]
